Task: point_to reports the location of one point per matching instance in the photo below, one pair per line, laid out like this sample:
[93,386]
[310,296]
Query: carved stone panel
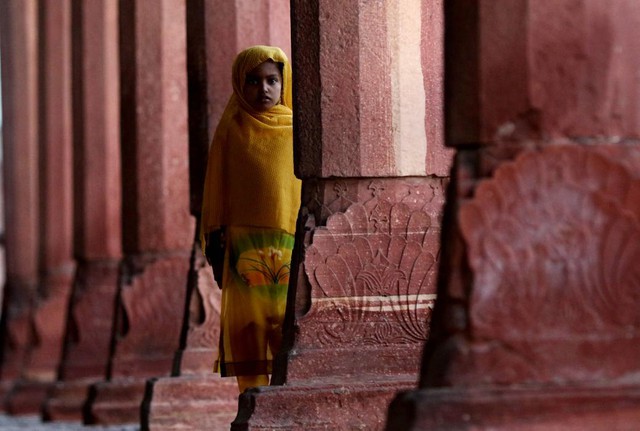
[152,308]
[90,321]
[199,349]
[204,306]
[553,241]
[370,266]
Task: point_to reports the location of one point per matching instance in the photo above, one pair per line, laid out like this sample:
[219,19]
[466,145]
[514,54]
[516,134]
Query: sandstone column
[369,151]
[195,398]
[157,227]
[55,215]
[98,206]
[19,38]
[537,323]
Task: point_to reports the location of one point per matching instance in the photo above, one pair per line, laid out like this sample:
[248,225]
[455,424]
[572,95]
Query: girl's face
[263,86]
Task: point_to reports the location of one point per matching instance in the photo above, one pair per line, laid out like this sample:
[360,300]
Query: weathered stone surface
[192,402]
[115,402]
[374,64]
[570,71]
[520,408]
[439,157]
[318,406]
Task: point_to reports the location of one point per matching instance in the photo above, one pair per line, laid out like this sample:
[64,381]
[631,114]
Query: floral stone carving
[553,243]
[372,268]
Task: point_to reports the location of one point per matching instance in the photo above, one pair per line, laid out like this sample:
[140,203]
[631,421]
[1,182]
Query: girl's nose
[265,86]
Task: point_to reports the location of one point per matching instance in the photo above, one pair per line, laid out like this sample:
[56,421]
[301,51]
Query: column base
[532,409]
[319,405]
[67,401]
[116,402]
[27,398]
[5,391]
[192,403]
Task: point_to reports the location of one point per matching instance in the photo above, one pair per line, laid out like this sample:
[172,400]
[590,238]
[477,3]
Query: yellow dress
[252,192]
[254,296]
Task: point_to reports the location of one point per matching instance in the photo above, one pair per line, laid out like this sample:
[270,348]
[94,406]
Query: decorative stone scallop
[553,242]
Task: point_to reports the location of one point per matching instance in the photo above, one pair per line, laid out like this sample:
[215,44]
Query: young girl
[249,210]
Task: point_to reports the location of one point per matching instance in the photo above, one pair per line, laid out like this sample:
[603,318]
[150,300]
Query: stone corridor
[466,249]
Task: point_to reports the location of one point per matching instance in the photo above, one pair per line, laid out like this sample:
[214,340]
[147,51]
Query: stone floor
[33,423]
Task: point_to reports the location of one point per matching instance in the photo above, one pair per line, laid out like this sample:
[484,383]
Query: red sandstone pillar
[55,218]
[368,124]
[216,32]
[536,325]
[98,208]
[158,230]
[19,38]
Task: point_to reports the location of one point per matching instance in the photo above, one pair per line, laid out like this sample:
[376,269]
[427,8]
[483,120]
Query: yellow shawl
[250,180]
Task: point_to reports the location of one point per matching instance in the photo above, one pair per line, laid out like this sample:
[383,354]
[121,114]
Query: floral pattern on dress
[265,266]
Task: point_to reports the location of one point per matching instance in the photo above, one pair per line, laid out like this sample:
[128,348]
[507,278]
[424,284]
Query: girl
[250,204]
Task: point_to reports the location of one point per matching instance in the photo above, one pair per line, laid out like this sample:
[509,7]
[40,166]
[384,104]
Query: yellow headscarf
[250,180]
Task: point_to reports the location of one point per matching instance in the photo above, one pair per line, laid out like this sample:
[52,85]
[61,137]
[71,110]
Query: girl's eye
[273,81]
[251,80]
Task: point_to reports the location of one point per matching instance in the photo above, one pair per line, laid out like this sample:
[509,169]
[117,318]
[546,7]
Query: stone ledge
[585,408]
[317,406]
